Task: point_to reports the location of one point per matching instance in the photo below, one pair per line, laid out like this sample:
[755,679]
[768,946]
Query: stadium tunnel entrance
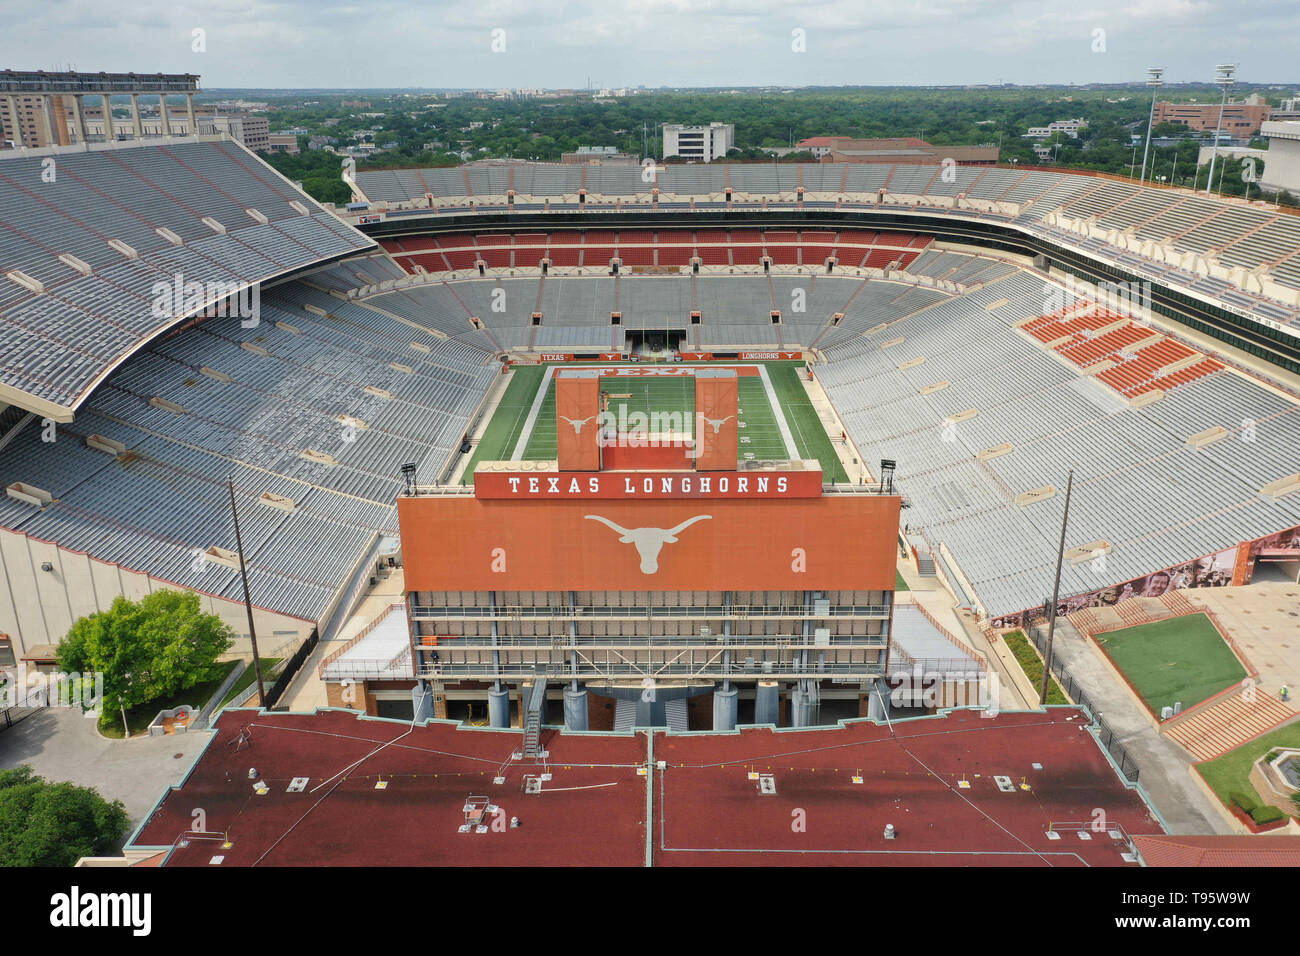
[654,341]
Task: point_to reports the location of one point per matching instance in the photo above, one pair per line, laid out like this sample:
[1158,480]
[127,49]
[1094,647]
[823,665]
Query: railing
[586,671]
[653,641]
[518,612]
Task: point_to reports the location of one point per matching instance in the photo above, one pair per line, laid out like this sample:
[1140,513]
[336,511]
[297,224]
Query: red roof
[321,805]
[1262,850]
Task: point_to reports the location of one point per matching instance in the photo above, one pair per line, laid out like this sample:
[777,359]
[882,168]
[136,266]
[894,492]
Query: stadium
[903,361]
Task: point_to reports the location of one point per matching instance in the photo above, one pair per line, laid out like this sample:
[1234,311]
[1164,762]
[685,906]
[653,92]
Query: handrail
[509,612]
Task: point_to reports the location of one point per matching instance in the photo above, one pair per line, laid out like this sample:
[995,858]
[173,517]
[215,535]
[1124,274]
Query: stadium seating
[110,224]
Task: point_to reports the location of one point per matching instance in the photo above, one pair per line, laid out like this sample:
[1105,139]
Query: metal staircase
[533,719]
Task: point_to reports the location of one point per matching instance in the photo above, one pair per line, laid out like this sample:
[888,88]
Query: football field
[523,424]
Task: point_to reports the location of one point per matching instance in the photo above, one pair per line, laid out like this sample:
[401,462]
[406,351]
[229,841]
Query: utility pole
[1056,595]
[248,604]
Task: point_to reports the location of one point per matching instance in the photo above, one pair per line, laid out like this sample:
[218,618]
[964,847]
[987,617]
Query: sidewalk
[1166,772]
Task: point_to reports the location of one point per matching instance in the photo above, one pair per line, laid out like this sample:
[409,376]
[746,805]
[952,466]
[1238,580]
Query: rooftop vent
[311,454]
[1086,552]
[255,349]
[119,246]
[299,208]
[212,373]
[26,281]
[72,262]
[1283,486]
[109,445]
[282,502]
[214,225]
[170,236]
[29,494]
[257,216]
[167,406]
[222,556]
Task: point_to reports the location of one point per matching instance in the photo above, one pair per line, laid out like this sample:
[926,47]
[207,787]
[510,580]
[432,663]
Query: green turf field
[1179,659]
[673,398]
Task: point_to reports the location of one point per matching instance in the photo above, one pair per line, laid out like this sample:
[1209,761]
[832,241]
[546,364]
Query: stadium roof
[962,789]
[104,247]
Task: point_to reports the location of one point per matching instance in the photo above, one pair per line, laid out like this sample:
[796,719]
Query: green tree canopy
[153,648]
[54,824]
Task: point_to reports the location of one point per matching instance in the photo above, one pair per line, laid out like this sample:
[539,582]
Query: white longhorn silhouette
[717,423]
[577,423]
[649,541]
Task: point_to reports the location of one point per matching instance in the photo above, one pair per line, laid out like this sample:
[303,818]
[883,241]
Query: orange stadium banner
[577,422]
[461,543]
[717,431]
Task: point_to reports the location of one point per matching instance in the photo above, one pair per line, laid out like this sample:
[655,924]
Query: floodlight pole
[248,604]
[1056,595]
[1224,76]
[1154,79]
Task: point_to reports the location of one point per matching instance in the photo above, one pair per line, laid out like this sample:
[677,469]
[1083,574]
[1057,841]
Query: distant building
[33,120]
[1069,127]
[284,143]
[1241,119]
[599,155]
[701,144]
[903,149]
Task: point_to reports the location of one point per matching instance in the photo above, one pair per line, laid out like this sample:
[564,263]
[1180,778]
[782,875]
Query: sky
[299,44]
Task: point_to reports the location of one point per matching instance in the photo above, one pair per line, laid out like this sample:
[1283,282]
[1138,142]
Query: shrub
[1266,814]
[1240,800]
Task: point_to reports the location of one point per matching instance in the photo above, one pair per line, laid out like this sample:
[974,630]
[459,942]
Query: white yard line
[790,448]
[532,414]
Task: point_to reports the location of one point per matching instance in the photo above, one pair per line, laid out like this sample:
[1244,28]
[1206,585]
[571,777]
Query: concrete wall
[1282,165]
[38,607]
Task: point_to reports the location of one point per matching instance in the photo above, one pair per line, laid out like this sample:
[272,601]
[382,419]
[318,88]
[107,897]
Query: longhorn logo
[577,423]
[649,541]
[717,423]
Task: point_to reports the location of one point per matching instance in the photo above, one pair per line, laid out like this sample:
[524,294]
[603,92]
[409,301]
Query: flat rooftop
[705,808]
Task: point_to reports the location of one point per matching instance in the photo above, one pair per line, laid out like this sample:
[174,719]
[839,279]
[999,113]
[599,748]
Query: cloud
[410,43]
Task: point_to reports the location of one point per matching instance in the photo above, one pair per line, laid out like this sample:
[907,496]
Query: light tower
[1224,77]
[1155,78]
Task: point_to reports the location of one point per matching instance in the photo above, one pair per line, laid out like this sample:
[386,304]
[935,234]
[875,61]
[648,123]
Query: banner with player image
[1211,571]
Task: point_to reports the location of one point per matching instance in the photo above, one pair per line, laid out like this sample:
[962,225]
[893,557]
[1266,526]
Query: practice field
[666,402]
[1178,659]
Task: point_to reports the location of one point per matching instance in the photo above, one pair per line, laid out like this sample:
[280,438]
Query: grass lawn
[1231,772]
[1027,657]
[899,583]
[246,679]
[760,435]
[137,718]
[1178,659]
[508,418]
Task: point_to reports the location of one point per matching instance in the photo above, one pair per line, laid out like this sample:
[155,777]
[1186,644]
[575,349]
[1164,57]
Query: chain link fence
[1109,739]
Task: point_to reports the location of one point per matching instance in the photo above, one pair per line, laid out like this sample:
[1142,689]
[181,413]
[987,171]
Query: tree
[153,648]
[54,824]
